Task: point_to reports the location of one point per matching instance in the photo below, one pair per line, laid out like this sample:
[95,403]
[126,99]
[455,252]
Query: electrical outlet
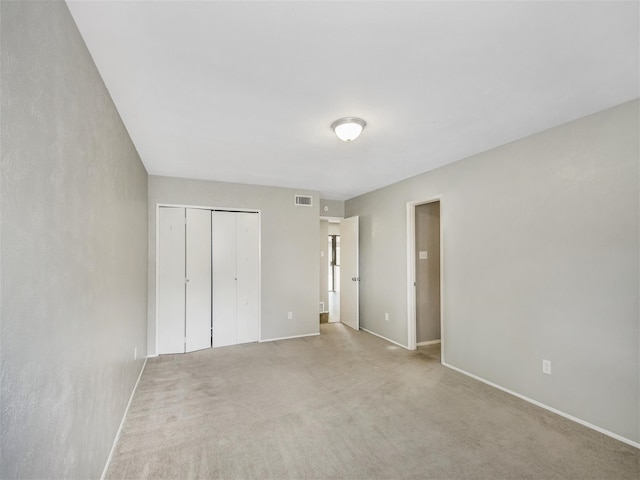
[546,367]
[290,315]
[386,316]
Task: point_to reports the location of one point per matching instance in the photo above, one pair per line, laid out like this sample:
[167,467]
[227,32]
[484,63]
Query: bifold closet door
[248,274]
[171,280]
[198,280]
[236,294]
[184,279]
[223,234]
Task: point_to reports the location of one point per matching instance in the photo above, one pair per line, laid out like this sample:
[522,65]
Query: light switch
[422,255]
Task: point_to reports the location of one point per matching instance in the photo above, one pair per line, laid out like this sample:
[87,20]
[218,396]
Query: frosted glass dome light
[349,128]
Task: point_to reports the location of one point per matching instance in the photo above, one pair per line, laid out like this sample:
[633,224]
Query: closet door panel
[248,315]
[171,280]
[198,267]
[224,278]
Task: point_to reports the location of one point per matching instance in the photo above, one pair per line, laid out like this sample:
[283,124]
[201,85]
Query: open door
[349,273]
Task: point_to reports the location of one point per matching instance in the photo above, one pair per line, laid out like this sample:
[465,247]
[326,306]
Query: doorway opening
[425,320]
[333,280]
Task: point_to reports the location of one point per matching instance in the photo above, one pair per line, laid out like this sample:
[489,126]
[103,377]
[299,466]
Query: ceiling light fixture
[348,128]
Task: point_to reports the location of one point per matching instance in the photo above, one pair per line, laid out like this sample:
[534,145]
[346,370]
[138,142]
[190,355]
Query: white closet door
[198,261]
[223,225]
[248,272]
[171,280]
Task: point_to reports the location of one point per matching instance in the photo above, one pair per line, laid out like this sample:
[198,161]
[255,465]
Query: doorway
[339,277]
[424,274]
[333,279]
[349,272]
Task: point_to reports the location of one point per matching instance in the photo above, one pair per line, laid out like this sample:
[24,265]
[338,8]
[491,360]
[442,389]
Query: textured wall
[335,208]
[73,251]
[289,248]
[541,252]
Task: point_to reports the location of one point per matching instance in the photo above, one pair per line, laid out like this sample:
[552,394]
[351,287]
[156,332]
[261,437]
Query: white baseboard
[384,338]
[289,338]
[547,407]
[430,342]
[126,411]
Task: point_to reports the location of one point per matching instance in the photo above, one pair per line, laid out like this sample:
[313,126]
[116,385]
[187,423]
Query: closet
[208,278]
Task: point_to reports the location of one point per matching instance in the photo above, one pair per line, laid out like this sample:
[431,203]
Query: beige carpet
[345,405]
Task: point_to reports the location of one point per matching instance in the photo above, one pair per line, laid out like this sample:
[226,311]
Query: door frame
[157,259]
[411,272]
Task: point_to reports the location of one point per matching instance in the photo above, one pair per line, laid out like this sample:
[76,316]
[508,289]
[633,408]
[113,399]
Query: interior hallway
[345,404]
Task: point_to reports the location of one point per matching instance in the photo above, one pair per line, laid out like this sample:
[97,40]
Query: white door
[198,280]
[349,273]
[171,280]
[223,233]
[248,274]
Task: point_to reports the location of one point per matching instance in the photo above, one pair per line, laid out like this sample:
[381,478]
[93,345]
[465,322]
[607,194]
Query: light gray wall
[289,248]
[335,208]
[541,254]
[427,238]
[73,252]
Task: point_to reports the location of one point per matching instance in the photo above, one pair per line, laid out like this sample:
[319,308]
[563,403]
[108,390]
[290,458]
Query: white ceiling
[245,92]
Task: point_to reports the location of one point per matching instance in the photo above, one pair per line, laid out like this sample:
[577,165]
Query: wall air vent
[303,201]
